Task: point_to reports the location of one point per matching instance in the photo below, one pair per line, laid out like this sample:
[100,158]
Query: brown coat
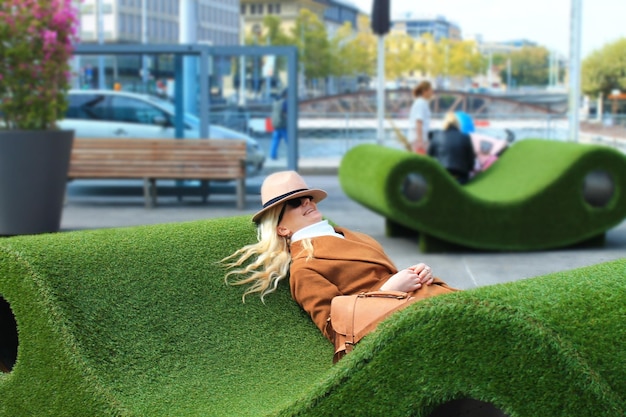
[341,267]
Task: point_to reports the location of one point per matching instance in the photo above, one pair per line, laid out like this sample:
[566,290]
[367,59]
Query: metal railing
[327,135]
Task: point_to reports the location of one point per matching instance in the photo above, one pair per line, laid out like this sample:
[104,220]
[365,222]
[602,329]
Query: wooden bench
[152,159]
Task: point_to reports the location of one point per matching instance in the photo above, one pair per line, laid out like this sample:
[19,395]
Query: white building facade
[216,21]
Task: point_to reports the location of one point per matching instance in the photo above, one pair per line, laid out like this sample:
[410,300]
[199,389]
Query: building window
[137,25]
[87,9]
[273,8]
[243,9]
[107,8]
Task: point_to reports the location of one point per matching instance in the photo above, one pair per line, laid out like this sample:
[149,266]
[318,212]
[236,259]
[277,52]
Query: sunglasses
[293,203]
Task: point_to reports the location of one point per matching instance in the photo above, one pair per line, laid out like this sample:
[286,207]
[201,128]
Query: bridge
[398,103]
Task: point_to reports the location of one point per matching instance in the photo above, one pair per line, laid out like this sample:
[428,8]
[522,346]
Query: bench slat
[143,162]
[161,151]
[87,158]
[129,142]
[158,172]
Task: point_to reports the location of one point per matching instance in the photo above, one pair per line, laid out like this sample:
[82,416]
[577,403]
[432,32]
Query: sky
[546,22]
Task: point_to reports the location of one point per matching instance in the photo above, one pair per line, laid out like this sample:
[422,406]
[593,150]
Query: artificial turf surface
[139,322]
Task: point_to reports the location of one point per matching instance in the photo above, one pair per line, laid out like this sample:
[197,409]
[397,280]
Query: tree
[272,34]
[604,70]
[399,55]
[529,66]
[362,48]
[352,54]
[463,59]
[312,40]
[405,56]
[273,31]
[425,52]
[339,51]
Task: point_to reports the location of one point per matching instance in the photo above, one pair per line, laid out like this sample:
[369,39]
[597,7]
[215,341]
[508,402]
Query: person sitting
[322,261]
[453,149]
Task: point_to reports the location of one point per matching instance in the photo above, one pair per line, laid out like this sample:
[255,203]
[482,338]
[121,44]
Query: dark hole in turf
[8,337]
[467,407]
[414,187]
[598,188]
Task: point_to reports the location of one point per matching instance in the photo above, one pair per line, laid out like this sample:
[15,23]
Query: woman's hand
[406,280]
[424,272]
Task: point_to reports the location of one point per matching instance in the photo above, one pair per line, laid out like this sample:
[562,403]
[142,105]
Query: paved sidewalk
[598,129]
[91,207]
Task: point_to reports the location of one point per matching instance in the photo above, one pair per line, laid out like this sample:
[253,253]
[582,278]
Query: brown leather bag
[354,316]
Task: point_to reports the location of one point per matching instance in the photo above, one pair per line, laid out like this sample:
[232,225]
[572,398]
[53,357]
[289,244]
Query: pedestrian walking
[419,117]
[279,123]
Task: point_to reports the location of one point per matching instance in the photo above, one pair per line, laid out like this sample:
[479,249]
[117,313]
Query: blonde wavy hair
[265,263]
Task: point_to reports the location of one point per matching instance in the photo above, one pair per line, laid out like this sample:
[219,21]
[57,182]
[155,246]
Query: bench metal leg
[204,190]
[180,185]
[66,197]
[241,193]
[154,192]
[149,192]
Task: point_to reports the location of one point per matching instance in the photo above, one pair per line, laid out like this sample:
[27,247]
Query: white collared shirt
[318,229]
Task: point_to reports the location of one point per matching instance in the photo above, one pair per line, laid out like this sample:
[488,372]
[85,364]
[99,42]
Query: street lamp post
[574,70]
[380,26]
[187,35]
[242,64]
[380,91]
[144,40]
[101,73]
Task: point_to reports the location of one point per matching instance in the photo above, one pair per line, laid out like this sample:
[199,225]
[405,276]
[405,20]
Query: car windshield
[189,119]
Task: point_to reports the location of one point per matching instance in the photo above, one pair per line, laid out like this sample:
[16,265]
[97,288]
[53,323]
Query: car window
[130,110]
[191,121]
[87,107]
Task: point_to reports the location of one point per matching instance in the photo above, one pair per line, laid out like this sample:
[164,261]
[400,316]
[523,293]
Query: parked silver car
[111,114]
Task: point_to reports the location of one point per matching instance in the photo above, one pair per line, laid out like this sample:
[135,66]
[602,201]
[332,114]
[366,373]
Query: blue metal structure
[204,52]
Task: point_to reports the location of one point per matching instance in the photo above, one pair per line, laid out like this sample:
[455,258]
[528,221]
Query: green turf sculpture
[539,195]
[139,322]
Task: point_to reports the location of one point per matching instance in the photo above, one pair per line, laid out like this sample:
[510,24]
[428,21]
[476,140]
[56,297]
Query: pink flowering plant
[36,44]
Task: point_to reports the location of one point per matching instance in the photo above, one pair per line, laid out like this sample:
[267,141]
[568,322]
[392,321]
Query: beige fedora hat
[282,186]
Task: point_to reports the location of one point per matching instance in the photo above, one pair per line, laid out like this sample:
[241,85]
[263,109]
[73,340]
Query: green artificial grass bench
[539,195]
[139,322]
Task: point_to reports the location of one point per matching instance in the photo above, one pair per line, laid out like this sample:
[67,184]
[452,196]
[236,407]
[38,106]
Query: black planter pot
[33,177]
